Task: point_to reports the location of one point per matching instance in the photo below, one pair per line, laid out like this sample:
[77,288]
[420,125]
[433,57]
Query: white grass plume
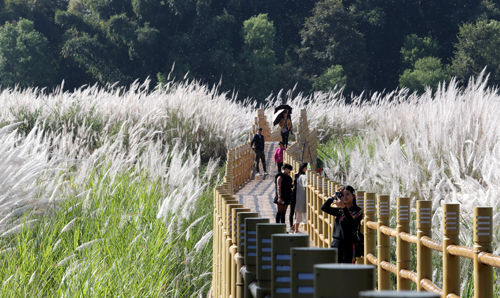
[69,225]
[86,245]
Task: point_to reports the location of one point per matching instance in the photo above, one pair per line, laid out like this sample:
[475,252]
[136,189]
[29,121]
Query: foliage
[476,49]
[330,37]
[118,42]
[428,72]
[25,59]
[415,48]
[332,78]
[258,35]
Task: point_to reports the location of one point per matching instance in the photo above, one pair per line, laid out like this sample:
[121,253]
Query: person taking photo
[347,219]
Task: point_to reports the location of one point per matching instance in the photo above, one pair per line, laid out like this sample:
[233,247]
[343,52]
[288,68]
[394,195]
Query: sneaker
[265,173]
[257,174]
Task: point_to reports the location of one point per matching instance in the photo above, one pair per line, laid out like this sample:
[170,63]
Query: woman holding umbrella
[286,127]
[282,116]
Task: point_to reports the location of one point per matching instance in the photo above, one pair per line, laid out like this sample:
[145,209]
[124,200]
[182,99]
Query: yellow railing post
[360,201]
[315,210]
[241,239]
[451,264]
[326,217]
[319,223]
[227,268]
[309,205]
[238,168]
[424,254]
[228,203]
[215,260]
[370,235]
[220,192]
[384,242]
[331,218]
[234,275]
[483,236]
[321,214]
[403,248]
[234,248]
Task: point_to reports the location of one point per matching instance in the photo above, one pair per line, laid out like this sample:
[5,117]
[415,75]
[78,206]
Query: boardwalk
[258,193]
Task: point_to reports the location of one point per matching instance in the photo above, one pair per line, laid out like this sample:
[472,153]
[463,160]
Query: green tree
[476,49]
[415,48]
[258,35]
[25,57]
[333,77]
[428,71]
[329,38]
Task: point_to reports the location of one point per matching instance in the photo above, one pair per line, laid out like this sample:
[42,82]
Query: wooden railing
[377,232]
[227,262]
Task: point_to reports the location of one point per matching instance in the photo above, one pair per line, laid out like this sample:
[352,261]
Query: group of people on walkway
[257,144]
[293,192]
[347,213]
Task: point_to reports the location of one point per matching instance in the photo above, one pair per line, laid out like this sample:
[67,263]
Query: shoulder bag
[359,243]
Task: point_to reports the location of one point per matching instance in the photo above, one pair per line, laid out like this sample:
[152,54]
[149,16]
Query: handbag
[359,243]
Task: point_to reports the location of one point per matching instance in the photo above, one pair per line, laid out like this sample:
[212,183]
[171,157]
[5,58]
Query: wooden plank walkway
[258,193]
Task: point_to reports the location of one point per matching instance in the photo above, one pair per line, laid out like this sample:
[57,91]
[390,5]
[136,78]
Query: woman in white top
[300,197]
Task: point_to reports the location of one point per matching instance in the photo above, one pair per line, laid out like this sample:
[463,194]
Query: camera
[338,195]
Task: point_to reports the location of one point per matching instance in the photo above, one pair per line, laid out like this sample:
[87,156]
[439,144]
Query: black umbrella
[283,107]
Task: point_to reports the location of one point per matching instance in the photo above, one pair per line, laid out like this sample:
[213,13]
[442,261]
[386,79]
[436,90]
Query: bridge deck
[258,193]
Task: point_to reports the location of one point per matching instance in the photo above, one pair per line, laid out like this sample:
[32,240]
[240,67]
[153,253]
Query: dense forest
[252,47]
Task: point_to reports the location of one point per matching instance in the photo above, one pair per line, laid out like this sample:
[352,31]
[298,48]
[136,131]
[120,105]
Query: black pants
[284,138]
[280,164]
[292,212]
[344,250]
[260,155]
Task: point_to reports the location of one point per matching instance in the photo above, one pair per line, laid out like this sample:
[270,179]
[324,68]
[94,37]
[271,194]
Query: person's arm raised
[328,209]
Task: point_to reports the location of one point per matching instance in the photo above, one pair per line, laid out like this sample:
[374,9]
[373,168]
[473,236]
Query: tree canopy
[253,47]
[25,59]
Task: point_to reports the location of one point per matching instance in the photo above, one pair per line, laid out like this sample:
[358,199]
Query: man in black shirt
[258,147]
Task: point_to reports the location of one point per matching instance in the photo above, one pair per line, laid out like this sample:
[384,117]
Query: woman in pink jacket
[278,156]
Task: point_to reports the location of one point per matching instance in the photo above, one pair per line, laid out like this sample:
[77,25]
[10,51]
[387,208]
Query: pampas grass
[106,192]
[116,182]
[442,146]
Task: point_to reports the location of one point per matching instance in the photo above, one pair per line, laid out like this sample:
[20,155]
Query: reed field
[106,192]
[443,146]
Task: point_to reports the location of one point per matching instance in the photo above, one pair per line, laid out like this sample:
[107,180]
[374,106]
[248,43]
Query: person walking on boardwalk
[258,147]
[347,219]
[286,127]
[278,156]
[298,205]
[283,197]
